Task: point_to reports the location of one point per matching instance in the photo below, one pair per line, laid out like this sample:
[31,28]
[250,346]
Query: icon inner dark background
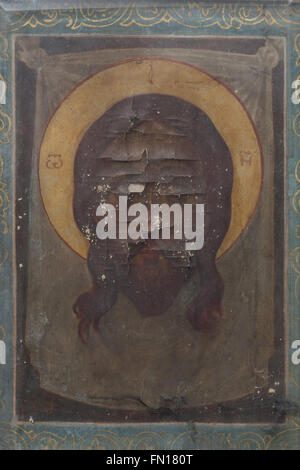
[159,333]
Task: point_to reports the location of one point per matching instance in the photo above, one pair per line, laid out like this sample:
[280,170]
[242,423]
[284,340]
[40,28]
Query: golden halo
[93,97]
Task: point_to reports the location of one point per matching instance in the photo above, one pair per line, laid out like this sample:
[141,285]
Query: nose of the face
[151,194]
[144,194]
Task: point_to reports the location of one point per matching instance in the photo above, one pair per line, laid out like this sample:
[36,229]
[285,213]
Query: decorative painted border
[22,438]
[190,18]
[189,14]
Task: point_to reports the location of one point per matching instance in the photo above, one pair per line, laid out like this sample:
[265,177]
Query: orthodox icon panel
[149,228]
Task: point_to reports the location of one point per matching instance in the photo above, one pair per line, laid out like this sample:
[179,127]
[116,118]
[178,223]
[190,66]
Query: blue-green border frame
[190,19]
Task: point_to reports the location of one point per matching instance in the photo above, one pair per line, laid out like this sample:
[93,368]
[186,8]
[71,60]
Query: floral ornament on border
[191,15]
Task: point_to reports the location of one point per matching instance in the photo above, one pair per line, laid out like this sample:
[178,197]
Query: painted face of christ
[153,149]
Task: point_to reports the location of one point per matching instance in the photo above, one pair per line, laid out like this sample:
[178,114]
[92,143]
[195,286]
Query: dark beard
[154,281]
